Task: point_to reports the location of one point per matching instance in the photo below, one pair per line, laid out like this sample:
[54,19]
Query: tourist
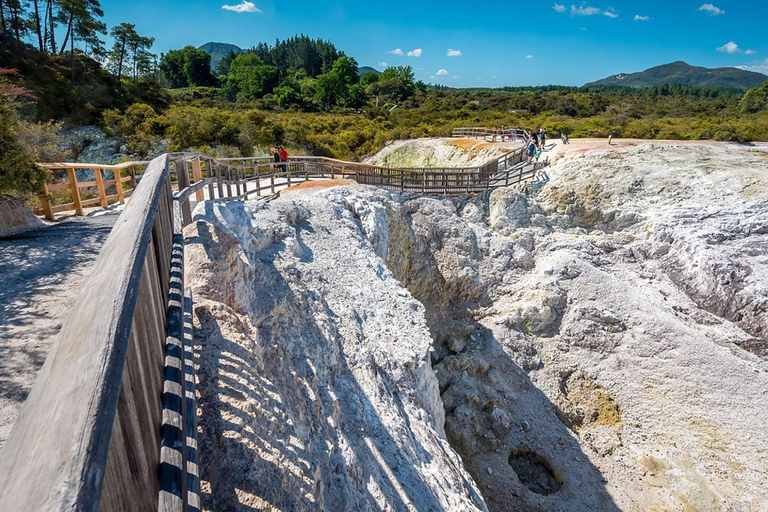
[610,139]
[564,138]
[531,150]
[495,133]
[276,157]
[535,137]
[283,157]
[542,138]
[503,133]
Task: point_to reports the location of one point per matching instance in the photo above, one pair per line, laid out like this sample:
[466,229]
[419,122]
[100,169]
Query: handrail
[239,166]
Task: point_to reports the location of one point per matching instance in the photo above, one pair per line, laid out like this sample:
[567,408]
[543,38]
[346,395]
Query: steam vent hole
[534,472]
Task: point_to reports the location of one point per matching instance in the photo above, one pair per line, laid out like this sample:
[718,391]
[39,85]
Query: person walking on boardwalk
[542,137]
[503,133]
[535,137]
[495,132]
[531,152]
[610,139]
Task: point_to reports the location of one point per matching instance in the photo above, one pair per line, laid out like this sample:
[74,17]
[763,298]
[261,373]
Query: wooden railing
[113,405]
[510,134]
[242,178]
[124,186]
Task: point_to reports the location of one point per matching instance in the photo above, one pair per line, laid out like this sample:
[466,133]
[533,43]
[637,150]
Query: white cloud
[416,53]
[396,51]
[584,10]
[760,67]
[443,72]
[730,47]
[583,29]
[559,7]
[749,52]
[243,6]
[454,53]
[529,56]
[642,18]
[383,64]
[456,76]
[711,10]
[611,14]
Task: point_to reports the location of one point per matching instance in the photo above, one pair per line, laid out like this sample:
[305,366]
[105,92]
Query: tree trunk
[69,32]
[37,26]
[120,65]
[16,19]
[53,27]
[2,18]
[72,54]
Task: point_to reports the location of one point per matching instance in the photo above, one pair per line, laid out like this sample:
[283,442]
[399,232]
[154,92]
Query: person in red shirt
[283,157]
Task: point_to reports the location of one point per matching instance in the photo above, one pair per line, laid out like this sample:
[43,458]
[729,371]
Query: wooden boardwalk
[110,423]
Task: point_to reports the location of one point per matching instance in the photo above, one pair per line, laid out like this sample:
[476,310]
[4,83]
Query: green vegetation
[307,95]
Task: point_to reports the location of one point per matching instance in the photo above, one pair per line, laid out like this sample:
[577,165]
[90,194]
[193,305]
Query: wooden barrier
[88,436]
[74,186]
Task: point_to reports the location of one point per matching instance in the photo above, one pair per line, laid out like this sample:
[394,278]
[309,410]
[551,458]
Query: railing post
[46,204]
[119,186]
[272,176]
[197,175]
[183,182]
[306,170]
[100,186]
[219,184]
[75,191]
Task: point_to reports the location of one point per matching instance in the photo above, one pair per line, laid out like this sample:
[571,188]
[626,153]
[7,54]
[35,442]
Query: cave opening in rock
[534,472]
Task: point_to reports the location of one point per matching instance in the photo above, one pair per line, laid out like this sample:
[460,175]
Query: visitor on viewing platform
[495,133]
[283,157]
[542,137]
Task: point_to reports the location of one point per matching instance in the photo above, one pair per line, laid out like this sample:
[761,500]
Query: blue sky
[500,42]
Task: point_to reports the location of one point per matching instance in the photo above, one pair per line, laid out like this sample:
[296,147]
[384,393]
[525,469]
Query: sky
[476,44]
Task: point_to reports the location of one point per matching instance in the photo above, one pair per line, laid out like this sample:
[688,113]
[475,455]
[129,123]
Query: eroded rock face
[316,388]
[596,346]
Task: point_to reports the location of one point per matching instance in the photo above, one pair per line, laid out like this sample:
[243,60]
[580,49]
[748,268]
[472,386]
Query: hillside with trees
[304,93]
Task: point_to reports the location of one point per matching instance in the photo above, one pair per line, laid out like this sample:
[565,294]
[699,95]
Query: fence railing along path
[243,178]
[487,134]
[110,423]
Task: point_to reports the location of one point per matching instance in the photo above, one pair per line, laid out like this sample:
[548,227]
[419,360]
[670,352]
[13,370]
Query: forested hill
[680,73]
[218,51]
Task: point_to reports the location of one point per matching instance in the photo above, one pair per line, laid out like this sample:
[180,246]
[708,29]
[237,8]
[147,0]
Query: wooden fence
[242,178]
[110,423]
[511,134]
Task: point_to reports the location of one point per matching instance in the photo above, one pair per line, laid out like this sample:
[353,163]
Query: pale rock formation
[16,218]
[598,345]
[441,153]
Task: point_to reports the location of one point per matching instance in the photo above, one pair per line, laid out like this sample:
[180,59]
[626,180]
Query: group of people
[507,134]
[279,154]
[537,144]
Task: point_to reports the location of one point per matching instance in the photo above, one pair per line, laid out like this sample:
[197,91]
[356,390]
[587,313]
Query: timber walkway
[110,423]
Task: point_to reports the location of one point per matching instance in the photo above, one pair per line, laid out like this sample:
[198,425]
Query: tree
[331,90]
[755,100]
[369,78]
[186,68]
[122,34]
[142,59]
[81,18]
[250,75]
[288,93]
[19,174]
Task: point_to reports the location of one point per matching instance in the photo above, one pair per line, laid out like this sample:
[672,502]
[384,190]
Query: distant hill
[367,69]
[218,51]
[680,73]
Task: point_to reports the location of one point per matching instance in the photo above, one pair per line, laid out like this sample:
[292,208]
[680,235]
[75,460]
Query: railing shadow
[282,410]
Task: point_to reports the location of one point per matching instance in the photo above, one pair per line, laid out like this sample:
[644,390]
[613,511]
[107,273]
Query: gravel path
[41,273]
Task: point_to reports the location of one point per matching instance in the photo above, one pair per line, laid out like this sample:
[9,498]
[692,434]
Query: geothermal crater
[595,345]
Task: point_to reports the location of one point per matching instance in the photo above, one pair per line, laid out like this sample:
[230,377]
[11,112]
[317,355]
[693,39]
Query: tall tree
[122,34]
[52,26]
[142,59]
[36,21]
[2,19]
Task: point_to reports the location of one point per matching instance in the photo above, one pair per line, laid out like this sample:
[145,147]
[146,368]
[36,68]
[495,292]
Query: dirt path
[41,272]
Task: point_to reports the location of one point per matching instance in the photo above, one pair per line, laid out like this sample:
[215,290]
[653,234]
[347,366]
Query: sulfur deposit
[597,345]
